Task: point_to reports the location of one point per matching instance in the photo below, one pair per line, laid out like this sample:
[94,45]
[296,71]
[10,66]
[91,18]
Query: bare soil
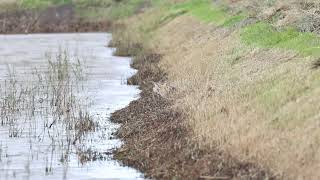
[51,20]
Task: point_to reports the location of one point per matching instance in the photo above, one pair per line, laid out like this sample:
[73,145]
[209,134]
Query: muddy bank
[159,143]
[50,20]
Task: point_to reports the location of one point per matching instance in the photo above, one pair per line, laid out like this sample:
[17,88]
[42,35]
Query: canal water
[35,151]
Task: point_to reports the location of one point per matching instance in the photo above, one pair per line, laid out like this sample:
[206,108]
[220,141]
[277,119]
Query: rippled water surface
[38,152]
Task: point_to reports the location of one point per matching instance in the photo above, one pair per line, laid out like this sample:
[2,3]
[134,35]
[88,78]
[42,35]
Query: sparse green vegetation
[264,35]
[208,12]
[234,20]
[110,9]
[35,4]
[260,34]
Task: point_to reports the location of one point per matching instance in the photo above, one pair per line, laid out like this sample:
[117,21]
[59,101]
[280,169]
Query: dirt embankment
[54,19]
[157,139]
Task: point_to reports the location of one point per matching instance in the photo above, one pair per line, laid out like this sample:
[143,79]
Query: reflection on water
[41,138]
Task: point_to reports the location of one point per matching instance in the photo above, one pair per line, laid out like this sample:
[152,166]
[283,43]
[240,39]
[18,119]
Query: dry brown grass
[157,137]
[259,105]
[304,14]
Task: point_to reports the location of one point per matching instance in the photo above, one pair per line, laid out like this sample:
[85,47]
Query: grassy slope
[250,90]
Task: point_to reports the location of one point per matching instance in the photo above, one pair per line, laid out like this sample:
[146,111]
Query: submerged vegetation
[48,95]
[47,118]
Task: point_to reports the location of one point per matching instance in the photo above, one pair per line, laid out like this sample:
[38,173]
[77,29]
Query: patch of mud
[159,143]
[53,19]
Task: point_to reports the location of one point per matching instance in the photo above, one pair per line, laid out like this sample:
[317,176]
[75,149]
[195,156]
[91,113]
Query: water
[34,154]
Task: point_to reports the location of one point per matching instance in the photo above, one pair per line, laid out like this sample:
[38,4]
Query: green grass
[264,35]
[124,8]
[34,4]
[206,11]
[110,9]
[259,34]
[232,20]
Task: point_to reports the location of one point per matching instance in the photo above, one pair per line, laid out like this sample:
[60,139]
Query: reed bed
[47,104]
